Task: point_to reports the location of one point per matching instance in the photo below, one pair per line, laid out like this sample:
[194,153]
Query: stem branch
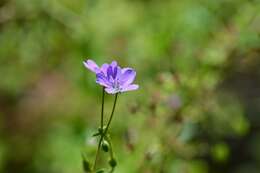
[103,133]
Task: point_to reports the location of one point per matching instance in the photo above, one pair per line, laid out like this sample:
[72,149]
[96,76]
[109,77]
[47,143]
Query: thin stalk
[112,170]
[103,134]
[111,116]
[102,109]
[101,124]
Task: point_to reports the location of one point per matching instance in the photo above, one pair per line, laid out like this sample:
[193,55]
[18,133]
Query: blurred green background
[198,67]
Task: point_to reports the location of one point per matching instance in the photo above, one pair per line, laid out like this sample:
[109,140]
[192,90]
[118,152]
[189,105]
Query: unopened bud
[105,146]
[112,162]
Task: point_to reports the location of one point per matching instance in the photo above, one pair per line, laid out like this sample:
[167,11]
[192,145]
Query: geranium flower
[114,78]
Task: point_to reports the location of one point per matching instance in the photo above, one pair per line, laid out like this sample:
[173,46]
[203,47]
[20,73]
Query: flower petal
[125,69]
[114,74]
[91,65]
[102,80]
[109,72]
[111,90]
[127,77]
[113,64]
[130,88]
[119,72]
[104,68]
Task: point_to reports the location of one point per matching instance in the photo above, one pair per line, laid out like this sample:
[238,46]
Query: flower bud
[105,146]
[112,162]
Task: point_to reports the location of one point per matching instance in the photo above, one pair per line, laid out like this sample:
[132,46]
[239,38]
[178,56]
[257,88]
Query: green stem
[111,116]
[103,134]
[102,109]
[101,123]
[112,170]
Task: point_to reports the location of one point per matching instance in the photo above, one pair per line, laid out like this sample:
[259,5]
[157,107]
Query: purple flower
[114,78]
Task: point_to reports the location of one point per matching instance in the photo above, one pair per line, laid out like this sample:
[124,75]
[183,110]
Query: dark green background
[198,67]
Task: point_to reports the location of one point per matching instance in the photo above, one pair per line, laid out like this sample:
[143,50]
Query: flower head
[114,78]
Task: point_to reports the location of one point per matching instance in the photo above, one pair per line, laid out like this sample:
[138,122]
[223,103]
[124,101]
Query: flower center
[116,85]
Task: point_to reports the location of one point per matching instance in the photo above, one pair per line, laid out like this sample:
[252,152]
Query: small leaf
[96,134]
[86,166]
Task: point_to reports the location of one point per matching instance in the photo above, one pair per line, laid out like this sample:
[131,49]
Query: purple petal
[119,72]
[102,80]
[114,74]
[109,72]
[125,69]
[113,64]
[111,90]
[104,68]
[127,77]
[91,65]
[130,88]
